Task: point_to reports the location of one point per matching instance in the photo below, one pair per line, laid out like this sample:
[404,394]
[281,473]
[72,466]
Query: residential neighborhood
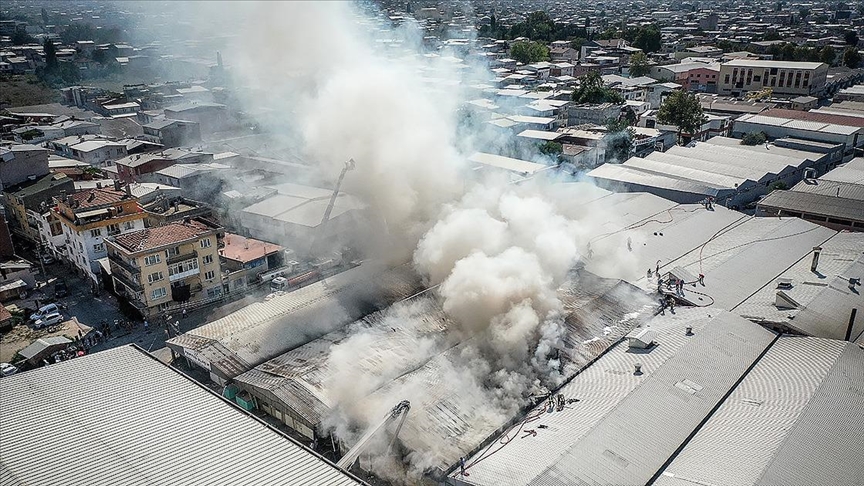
[432,243]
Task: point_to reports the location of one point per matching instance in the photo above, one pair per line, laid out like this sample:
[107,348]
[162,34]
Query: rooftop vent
[91,197]
[689,331]
[637,369]
[784,283]
[641,338]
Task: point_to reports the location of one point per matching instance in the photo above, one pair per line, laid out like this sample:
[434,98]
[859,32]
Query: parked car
[48,320]
[60,289]
[44,311]
[7,369]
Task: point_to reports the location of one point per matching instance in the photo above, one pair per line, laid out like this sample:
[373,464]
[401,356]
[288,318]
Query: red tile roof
[848,121]
[241,249]
[160,236]
[91,198]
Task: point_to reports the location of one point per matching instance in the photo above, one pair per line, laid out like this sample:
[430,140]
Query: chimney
[91,196]
[815,264]
[638,369]
[689,331]
[129,189]
[851,324]
[98,185]
[116,184]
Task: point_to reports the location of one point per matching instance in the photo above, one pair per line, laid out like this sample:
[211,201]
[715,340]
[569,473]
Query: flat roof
[153,425]
[539,135]
[507,163]
[813,203]
[620,427]
[773,64]
[794,419]
[810,126]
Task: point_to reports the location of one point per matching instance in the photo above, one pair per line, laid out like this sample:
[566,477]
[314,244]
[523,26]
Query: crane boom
[400,411]
[348,166]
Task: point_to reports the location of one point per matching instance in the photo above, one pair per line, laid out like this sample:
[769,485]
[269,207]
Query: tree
[50,55]
[619,141]
[551,148]
[578,42]
[850,37]
[45,19]
[753,138]
[828,55]
[528,52]
[803,13]
[851,57]
[21,37]
[639,65]
[683,110]
[648,38]
[592,91]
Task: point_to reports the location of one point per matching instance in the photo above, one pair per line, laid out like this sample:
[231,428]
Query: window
[205,243]
[96,232]
[152,259]
[158,293]
[726,79]
[207,259]
[172,252]
[113,229]
[119,209]
[155,277]
[181,267]
[99,247]
[209,275]
[128,225]
[214,292]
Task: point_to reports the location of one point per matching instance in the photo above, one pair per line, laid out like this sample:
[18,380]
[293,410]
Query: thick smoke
[498,252]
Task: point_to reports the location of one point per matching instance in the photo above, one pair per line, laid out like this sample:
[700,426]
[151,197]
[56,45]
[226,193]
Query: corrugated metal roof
[852,172]
[629,174]
[818,204]
[794,419]
[266,329]
[844,190]
[121,417]
[624,426]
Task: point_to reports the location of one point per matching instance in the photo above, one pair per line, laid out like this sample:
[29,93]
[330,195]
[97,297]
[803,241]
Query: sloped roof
[161,236]
[153,426]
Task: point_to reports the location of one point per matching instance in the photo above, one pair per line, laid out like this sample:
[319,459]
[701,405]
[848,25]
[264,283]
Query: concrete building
[160,268]
[133,167]
[243,259]
[25,200]
[96,150]
[89,217]
[210,117]
[740,76]
[107,447]
[173,133]
[19,162]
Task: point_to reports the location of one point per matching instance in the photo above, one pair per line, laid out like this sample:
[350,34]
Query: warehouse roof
[622,425]
[631,174]
[814,303]
[851,172]
[807,202]
[507,163]
[811,126]
[262,330]
[152,426]
[759,63]
[794,419]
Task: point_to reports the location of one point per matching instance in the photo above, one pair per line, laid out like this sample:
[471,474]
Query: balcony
[183,256]
[131,269]
[134,286]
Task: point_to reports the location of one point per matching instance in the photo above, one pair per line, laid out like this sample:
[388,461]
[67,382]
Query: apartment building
[166,266]
[739,76]
[89,217]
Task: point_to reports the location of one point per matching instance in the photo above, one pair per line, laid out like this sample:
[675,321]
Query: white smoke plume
[498,251]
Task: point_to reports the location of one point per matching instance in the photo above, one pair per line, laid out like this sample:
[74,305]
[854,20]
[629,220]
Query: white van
[44,311]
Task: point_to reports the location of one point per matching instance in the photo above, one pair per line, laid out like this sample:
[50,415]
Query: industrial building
[739,76]
[849,136]
[152,425]
[293,387]
[720,168]
[718,399]
[237,342]
[835,200]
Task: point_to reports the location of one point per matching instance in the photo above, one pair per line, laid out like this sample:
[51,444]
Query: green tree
[578,42]
[528,52]
[648,38]
[619,140]
[850,37]
[828,55]
[592,91]
[803,13]
[21,37]
[753,138]
[683,110]
[45,19]
[851,57]
[551,147]
[50,55]
[639,65]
